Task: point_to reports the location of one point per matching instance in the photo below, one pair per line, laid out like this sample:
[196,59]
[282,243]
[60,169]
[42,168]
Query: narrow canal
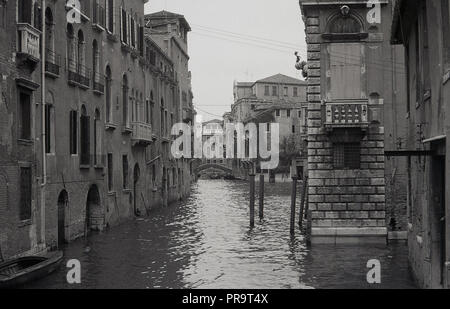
[206,242]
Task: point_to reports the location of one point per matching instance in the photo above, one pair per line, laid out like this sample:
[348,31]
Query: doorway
[63,201]
[437,219]
[136,176]
[94,211]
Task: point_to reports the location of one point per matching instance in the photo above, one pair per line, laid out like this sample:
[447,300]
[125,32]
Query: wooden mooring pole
[252,200]
[261,196]
[293,202]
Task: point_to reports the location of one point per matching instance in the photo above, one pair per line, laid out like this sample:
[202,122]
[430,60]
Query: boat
[17,272]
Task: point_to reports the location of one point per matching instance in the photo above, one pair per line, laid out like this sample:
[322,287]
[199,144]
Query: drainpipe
[43,135]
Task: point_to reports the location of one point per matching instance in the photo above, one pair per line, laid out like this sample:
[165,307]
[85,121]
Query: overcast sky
[225,44]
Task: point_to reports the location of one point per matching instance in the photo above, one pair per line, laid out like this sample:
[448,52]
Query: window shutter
[345,67]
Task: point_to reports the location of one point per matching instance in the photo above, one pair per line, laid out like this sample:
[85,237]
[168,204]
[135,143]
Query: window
[97,139]
[286,91]
[274,91]
[125,101]
[125,171]
[423,71]
[71,49]
[295,92]
[345,65]
[293,129]
[85,7]
[154,174]
[49,129]
[25,115]
[81,54]
[49,36]
[299,114]
[123,25]
[446,30]
[84,137]
[268,127]
[24,11]
[110,15]
[25,193]
[110,172]
[96,61]
[277,113]
[266,90]
[108,95]
[288,113]
[37,16]
[73,132]
[347,155]
[3,14]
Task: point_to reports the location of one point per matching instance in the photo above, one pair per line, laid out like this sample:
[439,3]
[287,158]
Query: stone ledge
[348,236]
[350,231]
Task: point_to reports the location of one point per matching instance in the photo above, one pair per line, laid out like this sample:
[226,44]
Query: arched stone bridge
[216,166]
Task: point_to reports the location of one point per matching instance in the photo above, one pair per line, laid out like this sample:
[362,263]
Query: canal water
[206,242]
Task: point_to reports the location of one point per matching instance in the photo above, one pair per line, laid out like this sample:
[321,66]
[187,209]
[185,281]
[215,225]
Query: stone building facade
[21,228]
[422,27]
[97,152]
[351,85]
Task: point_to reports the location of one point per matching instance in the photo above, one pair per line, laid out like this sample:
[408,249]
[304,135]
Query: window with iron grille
[347,155]
[25,193]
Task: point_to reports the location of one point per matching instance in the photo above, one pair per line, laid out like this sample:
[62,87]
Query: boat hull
[20,271]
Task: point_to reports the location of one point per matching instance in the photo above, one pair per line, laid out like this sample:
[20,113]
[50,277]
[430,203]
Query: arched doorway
[63,202]
[94,211]
[137,175]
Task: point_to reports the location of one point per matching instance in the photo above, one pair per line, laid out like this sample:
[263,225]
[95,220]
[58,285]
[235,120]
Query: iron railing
[78,73]
[52,62]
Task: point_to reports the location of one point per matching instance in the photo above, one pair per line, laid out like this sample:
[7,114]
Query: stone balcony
[346,114]
[142,133]
[28,46]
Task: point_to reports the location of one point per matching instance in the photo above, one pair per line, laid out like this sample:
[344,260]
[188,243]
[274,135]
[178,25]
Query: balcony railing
[78,74]
[344,114]
[99,83]
[142,133]
[99,16]
[52,62]
[29,41]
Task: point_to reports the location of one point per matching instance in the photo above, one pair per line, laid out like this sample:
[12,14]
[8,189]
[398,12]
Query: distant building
[423,28]
[276,99]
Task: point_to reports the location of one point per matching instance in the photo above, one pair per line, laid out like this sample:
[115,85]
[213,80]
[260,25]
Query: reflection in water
[206,242]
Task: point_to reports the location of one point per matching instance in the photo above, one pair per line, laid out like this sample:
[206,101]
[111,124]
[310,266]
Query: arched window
[71,50]
[345,24]
[84,137]
[97,138]
[49,124]
[49,36]
[108,96]
[81,54]
[125,101]
[96,61]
